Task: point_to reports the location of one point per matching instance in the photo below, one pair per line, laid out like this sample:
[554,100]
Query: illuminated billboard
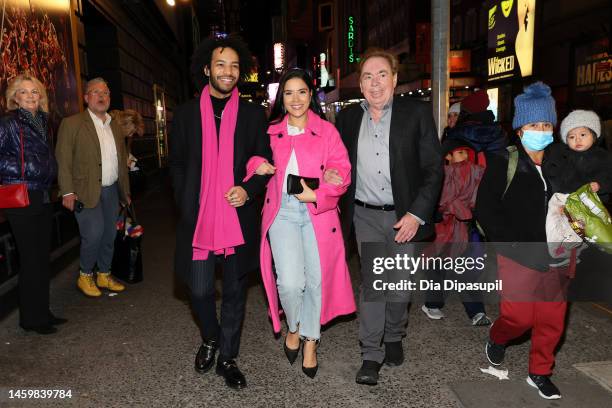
[510,38]
[279,56]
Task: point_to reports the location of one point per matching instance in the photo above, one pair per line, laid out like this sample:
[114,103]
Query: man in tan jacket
[93,179]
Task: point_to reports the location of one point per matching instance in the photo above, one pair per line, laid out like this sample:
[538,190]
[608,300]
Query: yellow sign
[252,77]
[506,7]
[511,35]
[492,11]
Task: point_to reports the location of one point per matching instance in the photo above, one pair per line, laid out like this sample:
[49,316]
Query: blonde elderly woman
[131,124]
[26,120]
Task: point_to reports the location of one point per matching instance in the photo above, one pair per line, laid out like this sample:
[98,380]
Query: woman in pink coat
[305,238]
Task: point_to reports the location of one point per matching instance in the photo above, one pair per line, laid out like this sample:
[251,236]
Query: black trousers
[31,228]
[226,331]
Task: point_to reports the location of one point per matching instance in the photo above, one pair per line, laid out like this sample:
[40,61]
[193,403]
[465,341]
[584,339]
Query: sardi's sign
[511,29]
[350,40]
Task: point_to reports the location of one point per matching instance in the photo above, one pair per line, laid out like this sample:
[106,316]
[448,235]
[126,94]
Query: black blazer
[185,161]
[415,160]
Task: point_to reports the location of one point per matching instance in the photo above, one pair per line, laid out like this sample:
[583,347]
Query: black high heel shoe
[310,371]
[291,353]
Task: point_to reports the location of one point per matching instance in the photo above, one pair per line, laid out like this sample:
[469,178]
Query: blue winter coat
[40,164]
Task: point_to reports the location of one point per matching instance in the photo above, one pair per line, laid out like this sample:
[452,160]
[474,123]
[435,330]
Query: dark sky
[256,22]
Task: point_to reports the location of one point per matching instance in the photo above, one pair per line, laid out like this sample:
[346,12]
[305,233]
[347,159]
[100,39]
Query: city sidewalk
[136,349]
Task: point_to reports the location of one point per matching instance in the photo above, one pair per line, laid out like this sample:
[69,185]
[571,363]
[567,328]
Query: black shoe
[495,353]
[290,353]
[233,377]
[206,356]
[394,353]
[546,388]
[56,321]
[368,373]
[40,329]
[310,371]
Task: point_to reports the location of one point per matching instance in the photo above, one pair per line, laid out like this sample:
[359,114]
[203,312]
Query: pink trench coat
[318,149]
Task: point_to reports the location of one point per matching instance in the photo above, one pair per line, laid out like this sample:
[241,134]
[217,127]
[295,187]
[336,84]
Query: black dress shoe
[290,353]
[232,374]
[40,329]
[56,321]
[206,356]
[394,353]
[368,373]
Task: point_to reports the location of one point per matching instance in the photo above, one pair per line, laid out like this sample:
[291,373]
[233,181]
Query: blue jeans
[298,268]
[98,229]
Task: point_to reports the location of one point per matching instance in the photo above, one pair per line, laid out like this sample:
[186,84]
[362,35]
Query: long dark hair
[278,110]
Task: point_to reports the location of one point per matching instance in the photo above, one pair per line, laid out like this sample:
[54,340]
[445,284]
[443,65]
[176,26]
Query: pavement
[136,349]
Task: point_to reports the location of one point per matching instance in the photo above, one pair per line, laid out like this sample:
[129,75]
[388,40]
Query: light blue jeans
[298,268]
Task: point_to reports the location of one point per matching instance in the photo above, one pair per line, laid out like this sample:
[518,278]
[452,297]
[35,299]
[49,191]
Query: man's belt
[386,207]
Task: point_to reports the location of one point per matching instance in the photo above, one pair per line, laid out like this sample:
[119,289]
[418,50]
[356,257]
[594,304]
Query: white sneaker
[481,319]
[432,313]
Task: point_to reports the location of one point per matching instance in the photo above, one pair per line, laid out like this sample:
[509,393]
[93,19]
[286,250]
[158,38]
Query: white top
[108,149]
[539,169]
[292,165]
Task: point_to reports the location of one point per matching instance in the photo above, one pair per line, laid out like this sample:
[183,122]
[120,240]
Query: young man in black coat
[219,62]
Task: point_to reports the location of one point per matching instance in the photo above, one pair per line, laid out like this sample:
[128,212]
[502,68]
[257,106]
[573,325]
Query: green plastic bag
[590,218]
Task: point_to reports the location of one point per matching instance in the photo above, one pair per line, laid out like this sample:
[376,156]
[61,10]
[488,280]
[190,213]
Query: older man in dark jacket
[397,162]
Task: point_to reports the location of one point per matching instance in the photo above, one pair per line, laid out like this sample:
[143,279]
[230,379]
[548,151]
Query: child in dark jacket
[578,160]
[461,179]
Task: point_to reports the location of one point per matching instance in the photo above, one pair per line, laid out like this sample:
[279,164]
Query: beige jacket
[80,161]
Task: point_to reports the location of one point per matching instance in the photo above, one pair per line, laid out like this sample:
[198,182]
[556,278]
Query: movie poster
[511,29]
[36,37]
[592,83]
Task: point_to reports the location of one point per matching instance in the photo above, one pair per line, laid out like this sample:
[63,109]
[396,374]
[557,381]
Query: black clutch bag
[295,187]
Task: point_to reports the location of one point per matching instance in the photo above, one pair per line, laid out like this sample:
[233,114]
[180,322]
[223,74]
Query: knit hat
[534,105]
[580,118]
[455,108]
[450,145]
[476,102]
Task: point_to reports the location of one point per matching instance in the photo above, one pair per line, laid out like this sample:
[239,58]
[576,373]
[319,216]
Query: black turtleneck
[218,105]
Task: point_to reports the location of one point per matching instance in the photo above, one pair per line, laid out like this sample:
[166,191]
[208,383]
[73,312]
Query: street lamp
[171,3]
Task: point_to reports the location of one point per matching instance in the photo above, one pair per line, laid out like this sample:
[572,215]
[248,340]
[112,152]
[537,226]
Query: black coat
[185,160]
[519,215]
[415,160]
[40,163]
[569,170]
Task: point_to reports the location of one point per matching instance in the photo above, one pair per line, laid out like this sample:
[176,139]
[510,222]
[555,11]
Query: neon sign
[350,40]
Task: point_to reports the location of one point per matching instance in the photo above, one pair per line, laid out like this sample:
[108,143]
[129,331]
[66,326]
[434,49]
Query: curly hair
[15,83]
[203,55]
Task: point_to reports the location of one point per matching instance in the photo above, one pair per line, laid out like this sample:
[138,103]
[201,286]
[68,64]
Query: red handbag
[16,195]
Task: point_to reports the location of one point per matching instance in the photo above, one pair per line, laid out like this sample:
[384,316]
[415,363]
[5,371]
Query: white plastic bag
[560,235]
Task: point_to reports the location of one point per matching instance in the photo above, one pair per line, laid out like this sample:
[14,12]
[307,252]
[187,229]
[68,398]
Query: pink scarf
[218,228]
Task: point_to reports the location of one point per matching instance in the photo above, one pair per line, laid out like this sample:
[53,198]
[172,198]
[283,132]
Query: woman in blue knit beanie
[511,207]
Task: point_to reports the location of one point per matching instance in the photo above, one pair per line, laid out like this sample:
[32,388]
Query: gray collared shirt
[373,184]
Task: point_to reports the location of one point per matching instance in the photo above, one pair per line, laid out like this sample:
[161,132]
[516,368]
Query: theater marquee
[511,31]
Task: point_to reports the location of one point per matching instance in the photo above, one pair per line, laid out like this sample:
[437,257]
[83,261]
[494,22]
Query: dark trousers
[98,230]
[226,331]
[31,228]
